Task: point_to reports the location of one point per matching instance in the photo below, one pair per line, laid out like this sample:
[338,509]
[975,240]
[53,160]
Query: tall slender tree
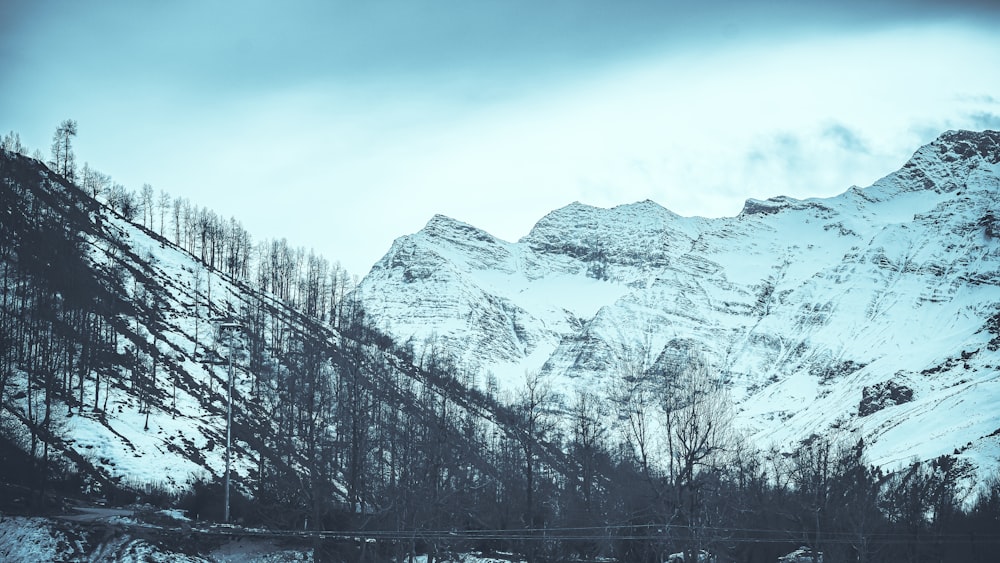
[63,158]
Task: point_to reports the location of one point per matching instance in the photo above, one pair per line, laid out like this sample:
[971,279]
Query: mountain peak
[963,144]
[646,205]
[588,216]
[444,227]
[766,206]
[944,165]
[442,221]
[623,233]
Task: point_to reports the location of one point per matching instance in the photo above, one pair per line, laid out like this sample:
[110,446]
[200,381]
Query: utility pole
[230,328]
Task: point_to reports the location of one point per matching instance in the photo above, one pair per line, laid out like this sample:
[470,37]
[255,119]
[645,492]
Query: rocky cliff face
[797,305]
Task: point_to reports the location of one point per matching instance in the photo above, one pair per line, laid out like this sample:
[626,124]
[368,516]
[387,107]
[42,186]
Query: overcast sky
[343,125]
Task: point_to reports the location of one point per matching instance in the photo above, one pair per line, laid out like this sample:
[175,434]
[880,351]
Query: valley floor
[122,535]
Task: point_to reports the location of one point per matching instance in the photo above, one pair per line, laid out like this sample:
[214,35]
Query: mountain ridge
[786,299]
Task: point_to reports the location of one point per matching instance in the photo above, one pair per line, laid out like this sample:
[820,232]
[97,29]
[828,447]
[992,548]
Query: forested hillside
[120,336]
[117,349]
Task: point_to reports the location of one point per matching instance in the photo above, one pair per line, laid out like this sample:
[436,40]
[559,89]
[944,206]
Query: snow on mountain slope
[185,429]
[114,342]
[461,286]
[805,308]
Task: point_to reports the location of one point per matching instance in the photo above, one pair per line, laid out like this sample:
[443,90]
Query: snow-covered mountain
[873,314]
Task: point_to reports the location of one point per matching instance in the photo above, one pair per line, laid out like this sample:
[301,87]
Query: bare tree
[94,181]
[534,424]
[588,442]
[123,201]
[164,205]
[63,159]
[633,398]
[697,413]
[177,216]
[12,143]
[702,425]
[196,303]
[146,201]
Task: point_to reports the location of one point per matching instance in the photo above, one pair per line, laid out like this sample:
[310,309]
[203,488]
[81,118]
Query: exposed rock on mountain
[882,395]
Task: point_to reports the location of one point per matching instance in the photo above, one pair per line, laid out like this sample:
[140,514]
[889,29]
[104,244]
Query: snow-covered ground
[35,540]
[30,540]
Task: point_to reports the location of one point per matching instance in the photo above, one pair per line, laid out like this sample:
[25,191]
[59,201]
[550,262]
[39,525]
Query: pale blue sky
[342,125]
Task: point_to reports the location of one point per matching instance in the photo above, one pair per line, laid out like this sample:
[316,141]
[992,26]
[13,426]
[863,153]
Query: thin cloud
[846,138]
[984,99]
[985,120]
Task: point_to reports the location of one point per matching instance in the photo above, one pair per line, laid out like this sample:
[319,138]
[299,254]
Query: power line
[718,534]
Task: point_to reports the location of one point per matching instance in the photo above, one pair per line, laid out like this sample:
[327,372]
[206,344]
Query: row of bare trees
[56,320]
[301,278]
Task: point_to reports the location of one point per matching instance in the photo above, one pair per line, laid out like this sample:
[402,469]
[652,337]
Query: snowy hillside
[118,344]
[872,314]
[157,339]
